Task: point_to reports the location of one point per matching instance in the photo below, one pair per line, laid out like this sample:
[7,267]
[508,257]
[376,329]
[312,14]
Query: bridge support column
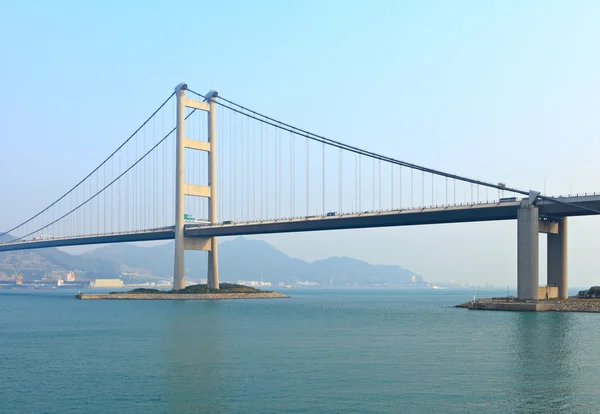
[213,265]
[527,252]
[213,256]
[179,268]
[557,259]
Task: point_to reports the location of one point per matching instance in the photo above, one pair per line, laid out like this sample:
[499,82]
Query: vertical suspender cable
[400,190]
[242,168]
[355,207]
[323,177]
[221,169]
[153,198]
[412,204]
[112,227]
[422,189]
[359,184]
[267,171]
[433,201]
[379,185]
[292,192]
[340,183]
[253,170]
[104,199]
[307,178]
[373,205]
[247,169]
[392,174]
[446,190]
[261,171]
[277,195]
[145,181]
[164,174]
[97,204]
[234,168]
[279,142]
[230,198]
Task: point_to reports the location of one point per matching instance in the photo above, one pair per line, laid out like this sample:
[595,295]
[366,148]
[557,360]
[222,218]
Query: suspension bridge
[202,167]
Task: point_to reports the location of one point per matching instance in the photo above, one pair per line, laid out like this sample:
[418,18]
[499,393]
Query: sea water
[320,351]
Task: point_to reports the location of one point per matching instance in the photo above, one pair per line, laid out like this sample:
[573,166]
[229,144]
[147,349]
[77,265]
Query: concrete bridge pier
[557,259]
[527,251]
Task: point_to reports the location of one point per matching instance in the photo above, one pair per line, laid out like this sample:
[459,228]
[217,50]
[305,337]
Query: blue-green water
[339,351]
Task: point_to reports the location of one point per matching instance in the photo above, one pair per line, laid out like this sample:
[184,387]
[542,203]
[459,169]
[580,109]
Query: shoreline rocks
[568,305]
[179,296]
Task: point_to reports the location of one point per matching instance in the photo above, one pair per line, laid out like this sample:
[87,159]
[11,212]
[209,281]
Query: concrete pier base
[213,265]
[527,252]
[557,259]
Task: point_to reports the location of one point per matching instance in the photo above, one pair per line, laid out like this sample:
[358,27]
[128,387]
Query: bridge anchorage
[193,173]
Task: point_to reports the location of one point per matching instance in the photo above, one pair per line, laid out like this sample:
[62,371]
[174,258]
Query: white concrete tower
[182,188]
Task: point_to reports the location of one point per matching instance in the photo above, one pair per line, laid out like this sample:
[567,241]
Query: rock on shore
[179,296]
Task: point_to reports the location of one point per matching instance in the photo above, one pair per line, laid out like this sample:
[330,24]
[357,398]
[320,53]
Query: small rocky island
[193,292]
[584,301]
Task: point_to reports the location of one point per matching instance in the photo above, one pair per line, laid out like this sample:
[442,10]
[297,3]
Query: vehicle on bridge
[331,214]
[43,237]
[507,199]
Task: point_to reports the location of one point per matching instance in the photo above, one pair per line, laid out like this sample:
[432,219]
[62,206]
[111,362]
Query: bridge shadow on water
[543,353]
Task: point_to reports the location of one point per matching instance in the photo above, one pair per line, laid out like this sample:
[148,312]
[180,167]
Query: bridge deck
[436,215]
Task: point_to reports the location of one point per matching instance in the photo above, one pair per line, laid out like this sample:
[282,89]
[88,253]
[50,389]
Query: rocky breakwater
[511,304]
[577,305]
[180,296]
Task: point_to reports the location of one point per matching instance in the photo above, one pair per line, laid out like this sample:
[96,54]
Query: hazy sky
[497,90]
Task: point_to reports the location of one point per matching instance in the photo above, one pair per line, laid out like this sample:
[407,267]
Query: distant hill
[33,264]
[245,259]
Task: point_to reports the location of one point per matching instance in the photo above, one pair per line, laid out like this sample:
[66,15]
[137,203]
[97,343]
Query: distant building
[253,283]
[107,283]
[307,283]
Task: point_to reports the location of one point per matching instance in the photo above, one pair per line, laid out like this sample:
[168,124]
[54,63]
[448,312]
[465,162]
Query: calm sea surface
[322,351]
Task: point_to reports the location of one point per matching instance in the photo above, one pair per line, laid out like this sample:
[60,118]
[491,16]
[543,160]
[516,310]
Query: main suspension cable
[95,169]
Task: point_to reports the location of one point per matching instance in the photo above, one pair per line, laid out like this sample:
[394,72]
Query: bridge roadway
[433,215]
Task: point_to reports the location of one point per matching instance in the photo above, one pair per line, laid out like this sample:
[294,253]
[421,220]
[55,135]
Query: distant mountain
[33,264]
[348,271]
[245,259]
[5,237]
[91,266]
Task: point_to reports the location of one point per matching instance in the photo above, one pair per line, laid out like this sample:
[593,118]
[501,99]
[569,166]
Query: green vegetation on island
[199,289]
[591,293]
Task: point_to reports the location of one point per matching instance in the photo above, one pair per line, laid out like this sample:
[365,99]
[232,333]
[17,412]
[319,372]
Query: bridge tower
[182,188]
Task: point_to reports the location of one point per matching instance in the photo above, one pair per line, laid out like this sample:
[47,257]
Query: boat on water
[45,287]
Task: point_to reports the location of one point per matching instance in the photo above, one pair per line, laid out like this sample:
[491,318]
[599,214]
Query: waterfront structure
[107,283]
